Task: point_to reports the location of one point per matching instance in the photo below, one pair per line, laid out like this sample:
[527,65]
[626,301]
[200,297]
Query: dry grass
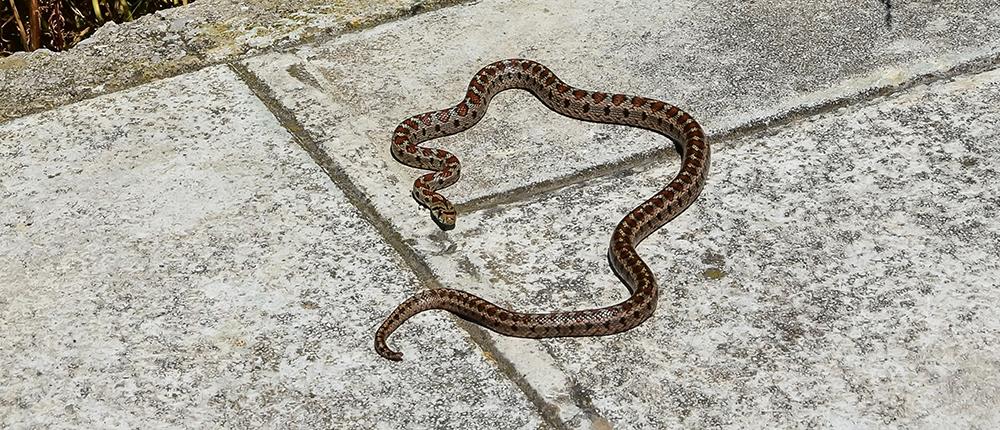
[27,25]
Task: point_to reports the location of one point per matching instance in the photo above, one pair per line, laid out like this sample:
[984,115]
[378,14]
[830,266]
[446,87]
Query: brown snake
[575,103]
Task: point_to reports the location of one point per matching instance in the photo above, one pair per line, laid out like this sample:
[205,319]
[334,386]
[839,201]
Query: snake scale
[635,111]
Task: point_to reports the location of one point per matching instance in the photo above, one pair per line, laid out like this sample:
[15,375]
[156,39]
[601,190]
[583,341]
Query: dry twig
[20,24]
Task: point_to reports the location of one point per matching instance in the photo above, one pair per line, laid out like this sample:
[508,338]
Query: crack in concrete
[412,259]
[887,6]
[580,396]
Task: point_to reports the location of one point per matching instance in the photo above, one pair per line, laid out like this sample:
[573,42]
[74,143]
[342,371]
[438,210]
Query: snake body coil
[575,103]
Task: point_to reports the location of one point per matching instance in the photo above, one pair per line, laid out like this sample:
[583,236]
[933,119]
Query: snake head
[444,217]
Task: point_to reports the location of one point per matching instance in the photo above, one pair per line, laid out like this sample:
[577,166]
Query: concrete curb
[182,40]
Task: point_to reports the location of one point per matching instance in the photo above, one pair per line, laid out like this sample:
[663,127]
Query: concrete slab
[747,335]
[169,257]
[840,272]
[729,64]
[174,41]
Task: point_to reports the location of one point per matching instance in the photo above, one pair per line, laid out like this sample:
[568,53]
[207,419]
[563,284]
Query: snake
[591,106]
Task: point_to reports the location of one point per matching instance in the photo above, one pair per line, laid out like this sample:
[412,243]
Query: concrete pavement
[216,249]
